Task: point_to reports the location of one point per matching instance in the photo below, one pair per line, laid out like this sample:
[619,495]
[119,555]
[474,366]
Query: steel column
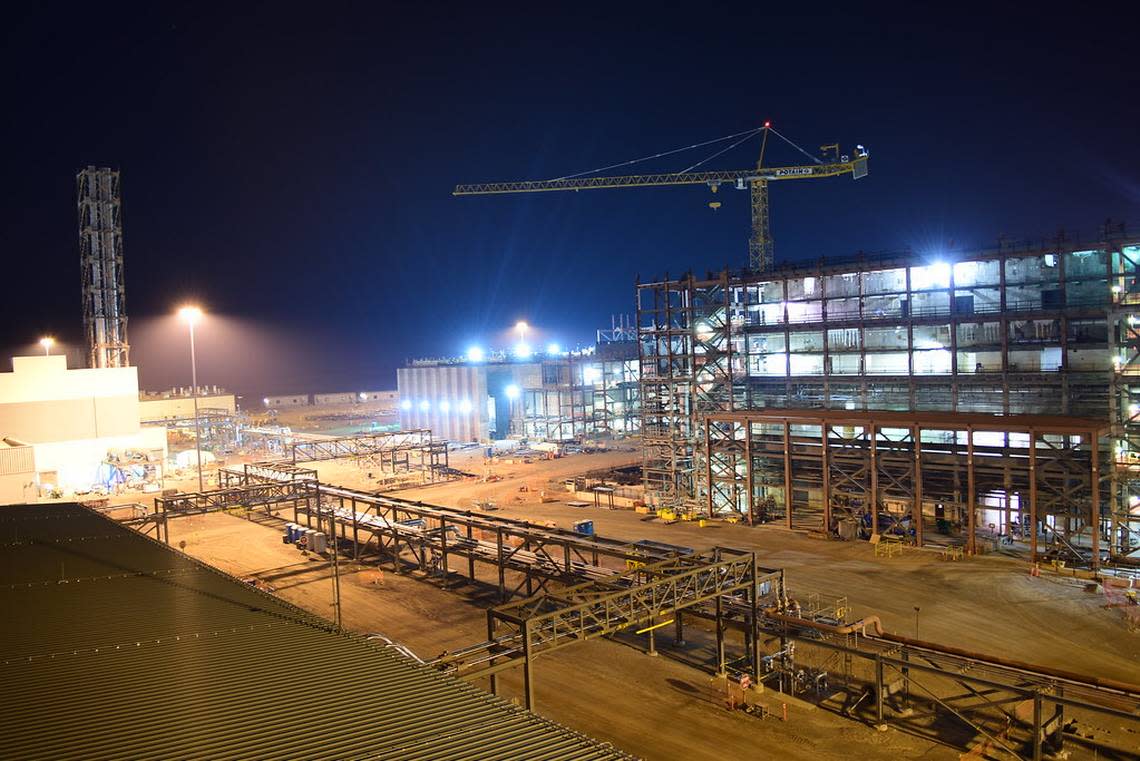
[916,434]
[874,499]
[1094,443]
[748,481]
[1032,495]
[824,432]
[787,474]
[971,498]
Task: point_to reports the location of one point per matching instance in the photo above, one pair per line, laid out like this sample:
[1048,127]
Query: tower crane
[755,179]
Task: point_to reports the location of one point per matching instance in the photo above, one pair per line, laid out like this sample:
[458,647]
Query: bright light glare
[363,396]
[47,342]
[934,275]
[465,407]
[521,325]
[425,405]
[445,406]
[475,354]
[512,391]
[406,404]
[190,314]
[522,350]
[553,349]
[265,401]
[590,374]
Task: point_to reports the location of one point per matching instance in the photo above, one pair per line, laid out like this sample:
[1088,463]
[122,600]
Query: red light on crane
[767,125]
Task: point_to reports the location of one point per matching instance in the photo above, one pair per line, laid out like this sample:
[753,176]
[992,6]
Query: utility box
[584,527]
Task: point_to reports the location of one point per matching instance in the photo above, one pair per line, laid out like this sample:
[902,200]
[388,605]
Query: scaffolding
[101,262]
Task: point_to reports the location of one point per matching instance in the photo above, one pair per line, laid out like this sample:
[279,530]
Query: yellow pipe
[655,626]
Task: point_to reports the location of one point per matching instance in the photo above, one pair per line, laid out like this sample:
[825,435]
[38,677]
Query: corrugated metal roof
[115,646]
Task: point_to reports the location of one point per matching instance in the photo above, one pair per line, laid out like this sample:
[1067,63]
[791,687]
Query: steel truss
[613,587]
[149,521]
[814,469]
[268,493]
[101,261]
[396,451]
[432,534]
[650,596]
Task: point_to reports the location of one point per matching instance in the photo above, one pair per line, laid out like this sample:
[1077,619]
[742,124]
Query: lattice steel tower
[101,259]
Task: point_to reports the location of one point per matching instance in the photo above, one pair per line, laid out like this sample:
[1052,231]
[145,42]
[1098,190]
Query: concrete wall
[182,407]
[41,400]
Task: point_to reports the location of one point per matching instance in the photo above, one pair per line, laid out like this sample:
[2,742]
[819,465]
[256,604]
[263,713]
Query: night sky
[291,169]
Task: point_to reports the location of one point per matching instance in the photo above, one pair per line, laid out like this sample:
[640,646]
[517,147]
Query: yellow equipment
[756,180]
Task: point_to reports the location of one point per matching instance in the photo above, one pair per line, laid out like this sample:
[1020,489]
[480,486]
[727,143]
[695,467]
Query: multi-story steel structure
[559,397]
[1023,330]
[101,260]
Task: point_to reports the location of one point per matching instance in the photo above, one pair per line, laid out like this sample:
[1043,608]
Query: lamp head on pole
[190,314]
[47,342]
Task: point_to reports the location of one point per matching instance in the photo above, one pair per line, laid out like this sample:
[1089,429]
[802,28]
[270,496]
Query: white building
[82,427]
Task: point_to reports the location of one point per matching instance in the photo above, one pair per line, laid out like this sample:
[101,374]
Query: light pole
[192,314]
[521,327]
[47,342]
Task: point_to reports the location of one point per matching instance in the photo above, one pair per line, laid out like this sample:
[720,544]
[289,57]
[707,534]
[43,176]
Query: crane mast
[760,249]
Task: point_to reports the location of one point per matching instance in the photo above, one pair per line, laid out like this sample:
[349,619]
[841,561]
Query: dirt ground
[657,707]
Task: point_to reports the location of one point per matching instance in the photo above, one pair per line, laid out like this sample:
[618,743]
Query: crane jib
[856,168]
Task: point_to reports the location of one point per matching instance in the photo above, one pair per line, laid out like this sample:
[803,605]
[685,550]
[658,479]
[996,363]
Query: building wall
[17,474]
[42,400]
[340,397]
[182,407]
[74,419]
[286,400]
[450,400]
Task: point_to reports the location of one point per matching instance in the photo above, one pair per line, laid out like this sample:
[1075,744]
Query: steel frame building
[580,397]
[555,397]
[1028,329]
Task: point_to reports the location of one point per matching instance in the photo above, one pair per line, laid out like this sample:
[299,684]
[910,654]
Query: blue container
[584,527]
